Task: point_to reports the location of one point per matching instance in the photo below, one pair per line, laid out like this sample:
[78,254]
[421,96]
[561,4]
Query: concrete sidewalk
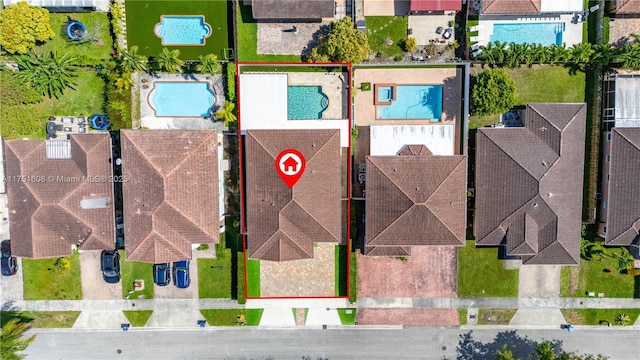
[119,305]
[500,303]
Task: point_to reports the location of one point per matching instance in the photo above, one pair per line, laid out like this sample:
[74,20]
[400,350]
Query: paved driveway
[172,292]
[11,287]
[539,281]
[93,285]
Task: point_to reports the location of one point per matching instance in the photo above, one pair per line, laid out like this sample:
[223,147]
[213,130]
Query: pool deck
[570,36]
[147,115]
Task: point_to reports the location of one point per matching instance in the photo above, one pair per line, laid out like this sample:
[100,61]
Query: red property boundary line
[242,188]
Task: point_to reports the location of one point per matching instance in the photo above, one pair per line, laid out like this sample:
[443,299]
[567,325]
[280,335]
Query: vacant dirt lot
[428,272]
[408,317]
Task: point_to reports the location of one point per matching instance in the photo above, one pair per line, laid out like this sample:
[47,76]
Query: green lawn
[144,15]
[462,315]
[228,317]
[253,278]
[353,278]
[594,316]
[495,316]
[482,274]
[52,319]
[41,282]
[347,318]
[138,318]
[382,28]
[134,270]
[340,281]
[247,29]
[214,275]
[540,83]
[88,52]
[592,278]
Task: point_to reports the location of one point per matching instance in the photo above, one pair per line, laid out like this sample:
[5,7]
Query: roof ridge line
[174,209]
[390,179]
[297,244]
[307,212]
[189,154]
[435,214]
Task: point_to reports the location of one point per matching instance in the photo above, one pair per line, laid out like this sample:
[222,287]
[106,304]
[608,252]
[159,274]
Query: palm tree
[226,113]
[500,49]
[49,74]
[581,53]
[209,64]
[625,259]
[169,60]
[622,319]
[131,60]
[558,54]
[12,341]
[629,56]
[603,55]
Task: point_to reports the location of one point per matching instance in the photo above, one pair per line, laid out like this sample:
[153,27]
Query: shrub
[398,58]
[365,86]
[231,81]
[22,26]
[410,44]
[62,265]
[202,247]
[493,93]
[431,49]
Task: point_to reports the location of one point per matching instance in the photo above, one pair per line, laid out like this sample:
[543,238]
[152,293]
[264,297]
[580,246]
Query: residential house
[170,193]
[60,195]
[529,7]
[291,10]
[529,184]
[625,8]
[434,6]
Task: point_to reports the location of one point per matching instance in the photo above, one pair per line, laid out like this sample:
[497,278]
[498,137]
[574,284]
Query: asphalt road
[410,343]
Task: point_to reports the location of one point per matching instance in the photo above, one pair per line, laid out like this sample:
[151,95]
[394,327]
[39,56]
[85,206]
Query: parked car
[161,274]
[180,271]
[9,263]
[110,266]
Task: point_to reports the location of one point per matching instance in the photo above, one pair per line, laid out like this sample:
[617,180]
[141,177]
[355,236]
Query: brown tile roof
[282,222]
[510,7]
[394,251]
[46,217]
[623,211]
[171,194]
[529,185]
[628,7]
[292,9]
[415,200]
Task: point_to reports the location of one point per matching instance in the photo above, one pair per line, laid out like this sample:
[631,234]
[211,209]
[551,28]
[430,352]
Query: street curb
[550,327]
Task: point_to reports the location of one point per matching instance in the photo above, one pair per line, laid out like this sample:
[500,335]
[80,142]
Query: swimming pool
[182,30]
[181,99]
[530,33]
[411,102]
[306,102]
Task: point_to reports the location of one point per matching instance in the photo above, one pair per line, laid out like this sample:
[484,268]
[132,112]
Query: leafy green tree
[12,341]
[629,56]
[505,354]
[169,60]
[625,259]
[343,43]
[22,26]
[410,44]
[17,117]
[49,74]
[493,93]
[209,64]
[130,60]
[226,113]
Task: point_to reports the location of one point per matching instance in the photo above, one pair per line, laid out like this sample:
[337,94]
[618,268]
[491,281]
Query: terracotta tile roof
[171,196]
[623,211]
[628,6]
[292,9]
[46,217]
[415,200]
[510,7]
[282,222]
[435,5]
[529,185]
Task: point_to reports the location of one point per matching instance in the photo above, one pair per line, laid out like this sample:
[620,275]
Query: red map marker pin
[290,165]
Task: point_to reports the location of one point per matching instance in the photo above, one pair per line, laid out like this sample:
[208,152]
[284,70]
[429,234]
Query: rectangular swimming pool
[306,102]
[181,98]
[530,33]
[411,102]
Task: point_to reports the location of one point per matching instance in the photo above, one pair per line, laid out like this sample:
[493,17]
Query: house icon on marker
[290,165]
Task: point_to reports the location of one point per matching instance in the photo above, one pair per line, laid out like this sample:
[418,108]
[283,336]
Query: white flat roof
[557,6]
[263,105]
[627,104]
[389,139]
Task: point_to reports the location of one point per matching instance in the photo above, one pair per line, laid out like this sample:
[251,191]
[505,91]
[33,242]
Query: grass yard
[592,278]
[228,317]
[594,316]
[495,316]
[134,270]
[540,83]
[214,275]
[253,278]
[347,316]
[353,277]
[482,274]
[52,319]
[382,28]
[462,315]
[86,99]
[138,318]
[42,282]
[247,29]
[340,282]
[91,52]
[140,28]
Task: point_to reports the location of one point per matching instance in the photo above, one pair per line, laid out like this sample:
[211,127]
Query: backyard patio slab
[289,38]
[620,30]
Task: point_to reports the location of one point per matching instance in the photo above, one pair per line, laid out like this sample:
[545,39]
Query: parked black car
[110,266]
[161,274]
[181,277]
[9,263]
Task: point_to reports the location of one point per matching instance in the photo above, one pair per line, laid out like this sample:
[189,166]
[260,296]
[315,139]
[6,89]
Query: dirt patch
[574,279]
[495,316]
[428,272]
[408,317]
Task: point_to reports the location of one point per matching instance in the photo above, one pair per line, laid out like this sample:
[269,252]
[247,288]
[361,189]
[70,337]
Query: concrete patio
[289,38]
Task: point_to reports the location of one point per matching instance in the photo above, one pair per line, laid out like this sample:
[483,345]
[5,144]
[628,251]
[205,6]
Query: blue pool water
[412,102]
[182,30]
[181,98]
[306,102]
[530,33]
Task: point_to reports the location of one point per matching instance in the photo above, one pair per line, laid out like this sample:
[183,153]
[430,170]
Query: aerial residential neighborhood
[462,172]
